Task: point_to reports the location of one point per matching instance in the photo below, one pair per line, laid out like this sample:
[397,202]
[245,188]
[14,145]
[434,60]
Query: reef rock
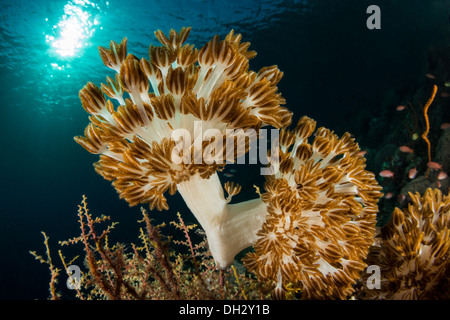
[443,150]
[420,184]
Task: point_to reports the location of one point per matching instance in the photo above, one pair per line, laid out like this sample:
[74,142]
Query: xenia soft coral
[414,252]
[313,226]
[321,215]
[213,87]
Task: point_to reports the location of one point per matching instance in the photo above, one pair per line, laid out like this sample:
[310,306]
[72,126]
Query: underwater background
[336,71]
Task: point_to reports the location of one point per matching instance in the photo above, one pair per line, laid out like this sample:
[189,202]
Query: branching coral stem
[425,113]
[69,274]
[162,256]
[185,229]
[238,282]
[54,272]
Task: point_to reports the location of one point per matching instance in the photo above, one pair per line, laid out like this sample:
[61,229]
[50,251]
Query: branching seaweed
[151,270]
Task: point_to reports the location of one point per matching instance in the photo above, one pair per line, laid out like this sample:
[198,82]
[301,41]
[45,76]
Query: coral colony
[414,252]
[169,123]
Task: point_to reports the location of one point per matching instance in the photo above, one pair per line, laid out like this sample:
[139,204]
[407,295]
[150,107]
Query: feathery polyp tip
[113,57]
[132,79]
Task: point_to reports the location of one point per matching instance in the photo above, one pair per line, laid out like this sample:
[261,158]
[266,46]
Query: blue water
[334,68]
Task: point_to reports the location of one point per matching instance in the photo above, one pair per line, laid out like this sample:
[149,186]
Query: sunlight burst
[75,26]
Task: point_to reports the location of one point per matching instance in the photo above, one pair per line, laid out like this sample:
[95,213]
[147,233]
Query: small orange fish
[386,174]
[445,126]
[406,149]
[362,153]
[389,195]
[400,108]
[434,165]
[442,175]
[412,173]
[430,76]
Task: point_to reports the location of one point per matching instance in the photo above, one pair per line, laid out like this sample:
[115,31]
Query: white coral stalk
[230,228]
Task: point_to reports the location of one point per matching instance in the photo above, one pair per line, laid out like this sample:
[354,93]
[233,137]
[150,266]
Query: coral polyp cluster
[322,207]
[312,227]
[414,252]
[176,88]
[188,112]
